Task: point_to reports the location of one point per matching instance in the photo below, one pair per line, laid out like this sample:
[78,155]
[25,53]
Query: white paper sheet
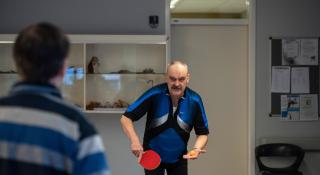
[309,107]
[299,52]
[300,80]
[309,51]
[280,79]
[290,51]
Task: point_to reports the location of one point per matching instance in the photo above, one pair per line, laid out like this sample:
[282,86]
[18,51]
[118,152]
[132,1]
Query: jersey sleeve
[140,107]
[201,123]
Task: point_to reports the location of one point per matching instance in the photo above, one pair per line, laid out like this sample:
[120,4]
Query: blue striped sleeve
[139,108]
[34,135]
[91,157]
[92,164]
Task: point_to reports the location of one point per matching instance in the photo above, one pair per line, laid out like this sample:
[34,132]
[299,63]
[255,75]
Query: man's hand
[136,149]
[194,153]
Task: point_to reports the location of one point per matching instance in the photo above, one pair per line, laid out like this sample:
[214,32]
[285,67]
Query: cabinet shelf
[125,74]
[107,110]
[8,73]
[117,90]
[141,58]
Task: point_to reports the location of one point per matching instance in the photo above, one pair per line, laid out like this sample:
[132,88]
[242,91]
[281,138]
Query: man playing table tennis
[172,110]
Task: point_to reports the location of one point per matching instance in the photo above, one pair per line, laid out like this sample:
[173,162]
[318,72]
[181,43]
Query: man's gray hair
[177,62]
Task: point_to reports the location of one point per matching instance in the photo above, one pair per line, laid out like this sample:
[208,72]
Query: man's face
[177,79]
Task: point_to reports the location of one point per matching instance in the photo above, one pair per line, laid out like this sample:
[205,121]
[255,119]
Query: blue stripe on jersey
[169,145]
[141,99]
[38,136]
[91,164]
[162,106]
[186,112]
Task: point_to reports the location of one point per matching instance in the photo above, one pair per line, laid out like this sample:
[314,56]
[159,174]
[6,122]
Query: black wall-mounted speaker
[153,21]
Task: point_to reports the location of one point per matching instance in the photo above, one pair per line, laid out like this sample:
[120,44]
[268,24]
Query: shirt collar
[35,88]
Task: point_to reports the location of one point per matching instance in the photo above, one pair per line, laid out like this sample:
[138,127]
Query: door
[217,56]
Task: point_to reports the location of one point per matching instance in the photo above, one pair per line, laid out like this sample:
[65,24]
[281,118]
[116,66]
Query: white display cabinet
[127,66]
[8,73]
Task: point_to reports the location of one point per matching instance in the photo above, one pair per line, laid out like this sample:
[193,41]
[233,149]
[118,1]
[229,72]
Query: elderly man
[173,110]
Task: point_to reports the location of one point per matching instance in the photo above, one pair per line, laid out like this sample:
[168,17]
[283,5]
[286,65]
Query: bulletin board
[294,54]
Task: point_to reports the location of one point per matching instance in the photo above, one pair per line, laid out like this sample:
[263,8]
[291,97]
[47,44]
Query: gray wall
[120,158]
[84,16]
[282,18]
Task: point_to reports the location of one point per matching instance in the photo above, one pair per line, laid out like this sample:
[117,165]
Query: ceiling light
[173,3]
[247,2]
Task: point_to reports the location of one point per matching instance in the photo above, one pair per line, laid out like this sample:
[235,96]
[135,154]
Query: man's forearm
[201,142]
[128,128]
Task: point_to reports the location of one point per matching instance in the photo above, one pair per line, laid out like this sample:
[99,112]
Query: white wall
[285,18]
[218,62]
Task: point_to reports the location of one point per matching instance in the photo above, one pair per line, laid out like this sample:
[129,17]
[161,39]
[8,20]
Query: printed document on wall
[290,107]
[309,107]
[309,51]
[290,51]
[280,79]
[299,52]
[300,80]
[284,107]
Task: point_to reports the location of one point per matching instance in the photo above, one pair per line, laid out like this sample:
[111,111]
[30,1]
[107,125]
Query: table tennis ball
[192,153]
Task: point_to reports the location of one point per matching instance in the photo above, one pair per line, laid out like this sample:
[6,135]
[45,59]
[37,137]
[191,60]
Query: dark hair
[39,52]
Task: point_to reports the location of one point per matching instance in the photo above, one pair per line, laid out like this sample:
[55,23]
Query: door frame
[250,22]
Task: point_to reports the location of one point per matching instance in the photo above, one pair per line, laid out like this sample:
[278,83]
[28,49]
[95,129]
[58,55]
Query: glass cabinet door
[8,72]
[105,73]
[73,82]
[117,74]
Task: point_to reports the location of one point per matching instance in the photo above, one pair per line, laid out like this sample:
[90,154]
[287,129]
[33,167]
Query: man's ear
[188,78]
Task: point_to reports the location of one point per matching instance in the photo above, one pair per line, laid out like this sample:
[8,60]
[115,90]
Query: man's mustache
[175,87]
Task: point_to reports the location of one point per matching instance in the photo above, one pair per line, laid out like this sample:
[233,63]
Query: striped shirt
[42,134]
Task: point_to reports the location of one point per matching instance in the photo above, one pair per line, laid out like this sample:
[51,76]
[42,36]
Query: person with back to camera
[173,110]
[40,133]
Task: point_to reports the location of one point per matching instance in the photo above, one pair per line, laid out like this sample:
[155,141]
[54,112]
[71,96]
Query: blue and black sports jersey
[42,134]
[166,132]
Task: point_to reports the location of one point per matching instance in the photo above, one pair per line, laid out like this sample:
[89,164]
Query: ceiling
[210,6]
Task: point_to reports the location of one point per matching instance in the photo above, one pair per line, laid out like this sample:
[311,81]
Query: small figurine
[93,66]
[148,71]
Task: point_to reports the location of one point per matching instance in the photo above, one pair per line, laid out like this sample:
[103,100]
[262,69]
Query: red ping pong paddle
[150,160]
